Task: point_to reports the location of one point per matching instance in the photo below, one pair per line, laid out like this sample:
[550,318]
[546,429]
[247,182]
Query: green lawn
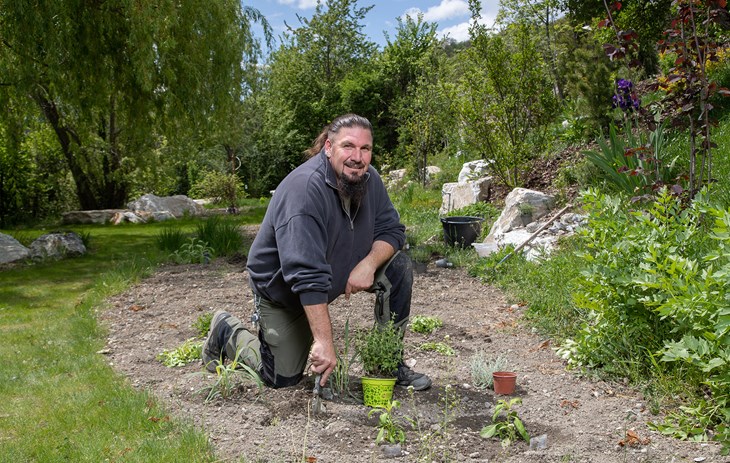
[60,400]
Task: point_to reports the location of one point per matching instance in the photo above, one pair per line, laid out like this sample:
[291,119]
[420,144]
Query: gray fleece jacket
[308,244]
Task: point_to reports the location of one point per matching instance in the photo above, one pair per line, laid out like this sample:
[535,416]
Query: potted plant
[380,350]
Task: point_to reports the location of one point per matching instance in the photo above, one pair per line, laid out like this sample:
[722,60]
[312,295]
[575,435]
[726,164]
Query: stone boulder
[457,195]
[57,245]
[11,249]
[127,216]
[396,177]
[178,205]
[101,216]
[431,172]
[521,207]
[474,170]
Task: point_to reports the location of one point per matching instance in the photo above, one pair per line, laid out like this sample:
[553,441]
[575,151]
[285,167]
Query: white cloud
[301,4]
[460,32]
[447,9]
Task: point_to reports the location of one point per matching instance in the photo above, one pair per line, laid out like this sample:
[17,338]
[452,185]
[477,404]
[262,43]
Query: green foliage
[656,281]
[506,424]
[442,347]
[231,377]
[424,324]
[222,236]
[380,349]
[389,430]
[636,165]
[505,98]
[546,286]
[482,367]
[34,183]
[187,352]
[201,325]
[223,188]
[126,86]
[194,251]
[170,239]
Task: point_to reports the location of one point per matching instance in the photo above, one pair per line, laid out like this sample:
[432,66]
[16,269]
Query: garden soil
[577,419]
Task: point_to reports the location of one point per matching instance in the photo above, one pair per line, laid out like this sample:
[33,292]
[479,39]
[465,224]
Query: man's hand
[322,356]
[362,276]
[323,359]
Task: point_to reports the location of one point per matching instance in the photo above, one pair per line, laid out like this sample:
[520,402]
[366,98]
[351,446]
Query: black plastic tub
[461,231]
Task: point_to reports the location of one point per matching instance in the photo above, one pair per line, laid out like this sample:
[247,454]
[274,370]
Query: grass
[62,401]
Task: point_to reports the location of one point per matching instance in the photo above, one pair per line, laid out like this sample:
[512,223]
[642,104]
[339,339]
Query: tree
[505,97]
[307,70]
[405,62]
[542,14]
[649,18]
[115,79]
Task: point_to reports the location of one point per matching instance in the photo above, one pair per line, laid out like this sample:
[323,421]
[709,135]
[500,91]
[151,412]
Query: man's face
[350,152]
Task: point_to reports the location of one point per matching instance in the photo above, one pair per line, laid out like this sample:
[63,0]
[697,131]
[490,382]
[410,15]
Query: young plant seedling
[389,431]
[506,425]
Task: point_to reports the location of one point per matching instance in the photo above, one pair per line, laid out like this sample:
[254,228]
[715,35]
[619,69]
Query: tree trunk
[104,193]
[84,188]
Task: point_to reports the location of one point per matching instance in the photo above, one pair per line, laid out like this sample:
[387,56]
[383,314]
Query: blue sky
[452,16]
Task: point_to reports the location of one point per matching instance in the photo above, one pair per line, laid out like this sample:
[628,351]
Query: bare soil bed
[584,421]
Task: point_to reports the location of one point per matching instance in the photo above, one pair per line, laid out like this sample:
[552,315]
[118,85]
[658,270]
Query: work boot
[213,352]
[406,377]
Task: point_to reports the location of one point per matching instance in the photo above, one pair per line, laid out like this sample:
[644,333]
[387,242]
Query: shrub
[221,187]
[222,236]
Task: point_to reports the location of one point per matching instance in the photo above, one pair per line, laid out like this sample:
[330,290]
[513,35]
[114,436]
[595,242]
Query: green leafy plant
[482,367]
[380,349]
[424,324]
[442,347]
[506,424]
[231,377]
[194,251]
[389,430]
[201,325]
[187,352]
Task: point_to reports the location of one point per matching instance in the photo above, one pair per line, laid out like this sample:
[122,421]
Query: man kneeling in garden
[330,229]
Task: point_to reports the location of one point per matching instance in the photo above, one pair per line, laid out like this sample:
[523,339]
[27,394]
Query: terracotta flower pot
[504,382]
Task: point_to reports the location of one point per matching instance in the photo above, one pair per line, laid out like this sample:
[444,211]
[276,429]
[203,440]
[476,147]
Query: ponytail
[346,120]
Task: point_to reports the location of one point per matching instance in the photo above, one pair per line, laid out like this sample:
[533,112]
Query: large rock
[11,249]
[101,216]
[57,245]
[457,195]
[517,202]
[474,170]
[178,205]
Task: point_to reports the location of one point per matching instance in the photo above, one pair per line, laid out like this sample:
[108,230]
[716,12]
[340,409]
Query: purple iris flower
[625,97]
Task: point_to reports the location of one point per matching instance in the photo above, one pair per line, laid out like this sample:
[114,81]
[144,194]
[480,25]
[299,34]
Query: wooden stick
[539,230]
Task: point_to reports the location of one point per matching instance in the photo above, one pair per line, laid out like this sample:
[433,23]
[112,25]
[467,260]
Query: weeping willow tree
[116,79]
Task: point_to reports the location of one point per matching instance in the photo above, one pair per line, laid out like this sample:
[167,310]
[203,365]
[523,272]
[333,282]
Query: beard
[352,187]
